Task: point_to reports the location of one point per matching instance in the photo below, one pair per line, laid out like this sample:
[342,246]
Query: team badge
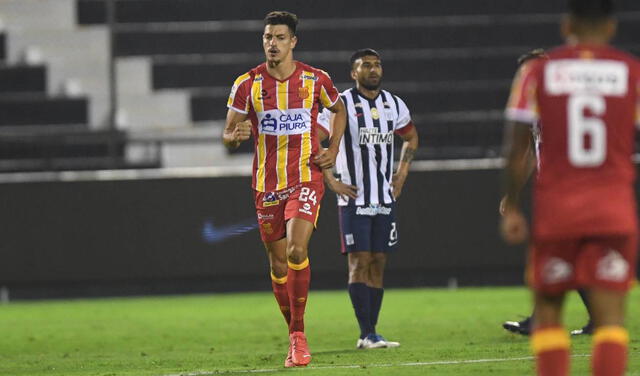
[303,92]
[266,227]
[374,114]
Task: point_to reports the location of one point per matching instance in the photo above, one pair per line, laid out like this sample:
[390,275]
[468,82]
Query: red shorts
[274,209]
[607,262]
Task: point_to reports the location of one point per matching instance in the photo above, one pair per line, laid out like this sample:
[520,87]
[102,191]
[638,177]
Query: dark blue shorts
[368,228]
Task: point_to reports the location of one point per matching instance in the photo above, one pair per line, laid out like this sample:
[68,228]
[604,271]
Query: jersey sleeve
[239,96]
[329,95]
[324,121]
[522,105]
[404,123]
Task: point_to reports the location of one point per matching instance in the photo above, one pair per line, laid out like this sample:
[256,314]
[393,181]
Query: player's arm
[409,147]
[327,157]
[518,156]
[530,166]
[338,187]
[334,184]
[237,128]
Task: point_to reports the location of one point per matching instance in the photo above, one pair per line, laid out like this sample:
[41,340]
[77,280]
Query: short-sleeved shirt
[585,101]
[284,118]
[365,158]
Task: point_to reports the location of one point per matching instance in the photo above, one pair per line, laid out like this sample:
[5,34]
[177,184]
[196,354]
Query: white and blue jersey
[365,158]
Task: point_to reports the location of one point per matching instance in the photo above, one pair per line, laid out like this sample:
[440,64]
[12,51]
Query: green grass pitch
[242,334]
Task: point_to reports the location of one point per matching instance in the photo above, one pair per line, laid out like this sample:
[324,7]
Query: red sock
[551,346]
[279,286]
[609,351]
[298,279]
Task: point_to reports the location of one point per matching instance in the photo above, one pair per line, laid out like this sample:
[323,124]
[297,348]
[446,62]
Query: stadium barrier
[102,233]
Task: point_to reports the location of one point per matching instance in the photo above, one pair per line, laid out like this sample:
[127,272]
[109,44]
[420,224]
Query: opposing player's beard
[370,86]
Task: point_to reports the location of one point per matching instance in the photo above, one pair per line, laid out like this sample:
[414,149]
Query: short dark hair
[591,10]
[361,53]
[281,17]
[533,54]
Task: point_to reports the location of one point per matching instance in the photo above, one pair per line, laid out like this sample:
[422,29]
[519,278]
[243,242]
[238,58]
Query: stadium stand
[175,62]
[452,63]
[53,92]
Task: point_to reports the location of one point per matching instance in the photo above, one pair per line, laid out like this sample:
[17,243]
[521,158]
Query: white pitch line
[355,366]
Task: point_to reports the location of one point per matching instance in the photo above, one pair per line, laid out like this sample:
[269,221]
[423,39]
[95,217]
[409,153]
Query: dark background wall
[63,239]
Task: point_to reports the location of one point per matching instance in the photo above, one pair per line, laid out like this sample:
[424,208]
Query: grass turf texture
[233,333]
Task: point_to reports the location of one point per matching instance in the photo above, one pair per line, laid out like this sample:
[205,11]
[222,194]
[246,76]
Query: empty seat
[22,79]
[41,110]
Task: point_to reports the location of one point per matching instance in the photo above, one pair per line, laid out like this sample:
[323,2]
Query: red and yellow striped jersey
[284,117]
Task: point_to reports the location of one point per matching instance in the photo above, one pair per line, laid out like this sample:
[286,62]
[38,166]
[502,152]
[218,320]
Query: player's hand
[326,158]
[242,131]
[513,226]
[343,190]
[397,182]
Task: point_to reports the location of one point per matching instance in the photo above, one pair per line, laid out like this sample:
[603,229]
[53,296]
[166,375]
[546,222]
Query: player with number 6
[585,98]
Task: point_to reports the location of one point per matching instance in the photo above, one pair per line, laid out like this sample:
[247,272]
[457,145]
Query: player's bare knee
[296,253]
[279,269]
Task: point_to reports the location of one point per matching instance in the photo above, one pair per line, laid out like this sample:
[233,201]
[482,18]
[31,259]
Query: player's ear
[294,41]
[611,28]
[354,75]
[566,27]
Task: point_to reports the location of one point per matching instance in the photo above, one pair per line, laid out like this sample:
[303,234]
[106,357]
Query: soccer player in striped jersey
[278,103]
[368,188]
[586,100]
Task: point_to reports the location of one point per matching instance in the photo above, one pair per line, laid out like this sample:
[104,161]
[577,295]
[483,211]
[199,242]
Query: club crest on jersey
[303,92]
[374,114]
[372,136]
[282,123]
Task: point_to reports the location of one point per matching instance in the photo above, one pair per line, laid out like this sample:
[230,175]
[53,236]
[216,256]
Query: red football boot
[288,363]
[299,349]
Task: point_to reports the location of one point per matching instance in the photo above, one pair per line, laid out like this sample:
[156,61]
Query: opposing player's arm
[518,155]
[237,128]
[335,185]
[327,158]
[409,147]
[338,187]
